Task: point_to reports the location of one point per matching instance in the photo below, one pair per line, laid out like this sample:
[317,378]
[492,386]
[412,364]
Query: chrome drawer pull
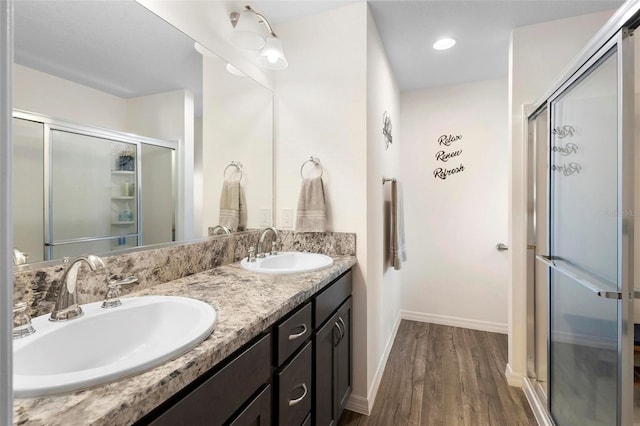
[302,333]
[344,327]
[340,334]
[293,402]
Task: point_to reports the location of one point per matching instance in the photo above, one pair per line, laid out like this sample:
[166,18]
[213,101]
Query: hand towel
[312,213]
[233,208]
[397,241]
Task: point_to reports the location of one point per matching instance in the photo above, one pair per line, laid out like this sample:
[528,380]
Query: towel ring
[237,165]
[316,162]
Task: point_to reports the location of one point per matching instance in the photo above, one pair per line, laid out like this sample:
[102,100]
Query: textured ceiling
[481,28]
[121,48]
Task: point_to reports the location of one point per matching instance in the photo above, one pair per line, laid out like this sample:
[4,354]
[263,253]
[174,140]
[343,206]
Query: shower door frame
[532,141]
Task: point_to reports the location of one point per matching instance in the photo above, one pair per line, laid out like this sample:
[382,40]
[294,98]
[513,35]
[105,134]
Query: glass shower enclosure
[584,250]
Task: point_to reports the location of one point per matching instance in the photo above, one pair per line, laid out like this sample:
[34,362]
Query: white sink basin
[288,263]
[107,344]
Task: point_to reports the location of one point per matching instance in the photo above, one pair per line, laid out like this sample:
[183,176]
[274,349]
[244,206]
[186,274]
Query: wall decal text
[564,131]
[567,149]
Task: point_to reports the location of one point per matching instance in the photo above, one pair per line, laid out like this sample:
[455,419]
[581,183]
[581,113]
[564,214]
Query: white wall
[42,93]
[383,282]
[321,110]
[454,224]
[538,54]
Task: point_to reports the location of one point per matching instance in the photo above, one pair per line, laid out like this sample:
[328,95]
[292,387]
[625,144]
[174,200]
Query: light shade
[444,43]
[247,31]
[272,55]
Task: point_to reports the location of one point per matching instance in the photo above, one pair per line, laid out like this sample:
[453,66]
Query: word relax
[442,173]
[446,156]
[447,140]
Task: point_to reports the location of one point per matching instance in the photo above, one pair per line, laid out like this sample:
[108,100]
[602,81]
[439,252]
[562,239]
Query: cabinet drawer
[294,389]
[292,333]
[331,298]
[257,413]
[215,400]
[307,421]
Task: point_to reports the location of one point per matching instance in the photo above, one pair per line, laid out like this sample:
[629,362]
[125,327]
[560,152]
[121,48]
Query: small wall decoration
[448,151]
[386,130]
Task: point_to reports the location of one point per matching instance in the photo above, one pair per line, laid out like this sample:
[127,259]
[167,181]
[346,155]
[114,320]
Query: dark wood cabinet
[214,398]
[257,413]
[298,373]
[333,351]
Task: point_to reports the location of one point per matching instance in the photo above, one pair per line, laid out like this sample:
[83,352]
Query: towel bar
[385,180]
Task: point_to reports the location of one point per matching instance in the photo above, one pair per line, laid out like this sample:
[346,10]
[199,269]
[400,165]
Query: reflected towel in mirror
[312,212]
[233,208]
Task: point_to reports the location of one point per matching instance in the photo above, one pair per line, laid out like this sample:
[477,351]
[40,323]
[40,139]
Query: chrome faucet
[263,234]
[67,307]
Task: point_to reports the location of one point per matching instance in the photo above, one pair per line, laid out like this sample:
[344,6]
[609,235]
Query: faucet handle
[112,299]
[252,254]
[21,321]
[274,248]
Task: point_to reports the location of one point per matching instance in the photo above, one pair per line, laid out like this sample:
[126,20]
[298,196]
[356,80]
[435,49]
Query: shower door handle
[582,277]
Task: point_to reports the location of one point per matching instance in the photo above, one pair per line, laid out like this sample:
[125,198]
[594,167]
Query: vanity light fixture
[444,44]
[246,32]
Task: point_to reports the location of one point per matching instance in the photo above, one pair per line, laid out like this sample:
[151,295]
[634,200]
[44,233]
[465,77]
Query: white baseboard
[513,379]
[537,406]
[493,327]
[362,405]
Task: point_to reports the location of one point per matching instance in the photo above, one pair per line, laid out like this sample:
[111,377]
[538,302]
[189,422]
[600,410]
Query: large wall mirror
[125,131]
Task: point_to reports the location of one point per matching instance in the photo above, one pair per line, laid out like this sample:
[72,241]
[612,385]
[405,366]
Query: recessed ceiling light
[444,43]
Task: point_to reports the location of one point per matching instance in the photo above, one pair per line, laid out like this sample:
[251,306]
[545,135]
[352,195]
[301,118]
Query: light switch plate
[265,218]
[287,218]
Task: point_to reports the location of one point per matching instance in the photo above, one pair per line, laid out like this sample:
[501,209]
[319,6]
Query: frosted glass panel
[88,177]
[28,188]
[584,173]
[158,211]
[583,369]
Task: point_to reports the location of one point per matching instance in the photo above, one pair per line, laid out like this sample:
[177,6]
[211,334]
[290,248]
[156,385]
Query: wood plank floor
[440,375]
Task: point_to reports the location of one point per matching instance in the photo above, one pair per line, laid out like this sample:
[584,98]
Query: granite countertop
[247,304]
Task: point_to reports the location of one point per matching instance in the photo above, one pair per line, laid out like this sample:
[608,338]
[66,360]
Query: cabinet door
[258,412]
[343,357]
[325,379]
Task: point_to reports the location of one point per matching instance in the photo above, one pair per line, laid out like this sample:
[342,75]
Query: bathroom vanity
[281,354]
